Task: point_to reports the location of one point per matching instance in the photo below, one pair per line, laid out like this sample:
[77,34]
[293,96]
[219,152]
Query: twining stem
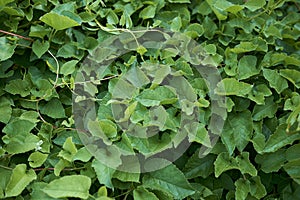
[4,167]
[52,168]
[57,69]
[41,169]
[16,35]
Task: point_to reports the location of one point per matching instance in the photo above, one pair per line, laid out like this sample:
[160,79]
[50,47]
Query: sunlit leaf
[58,22]
[19,179]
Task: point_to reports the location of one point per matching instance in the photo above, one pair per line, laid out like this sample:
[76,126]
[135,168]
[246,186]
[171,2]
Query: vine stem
[51,169]
[16,35]
[41,169]
[57,69]
[4,167]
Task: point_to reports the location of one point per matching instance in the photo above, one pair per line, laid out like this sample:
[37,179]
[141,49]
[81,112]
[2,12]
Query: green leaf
[258,138]
[141,193]
[18,126]
[258,94]
[194,30]
[102,191]
[148,12]
[68,67]
[103,128]
[104,173]
[18,86]
[231,86]
[209,27]
[127,176]
[137,77]
[242,189]
[38,31]
[257,189]
[5,109]
[244,47]
[83,155]
[40,48]
[36,159]
[275,80]
[247,67]
[19,179]
[244,164]
[198,133]
[112,17]
[37,191]
[291,75]
[69,186]
[21,142]
[196,166]
[292,153]
[237,131]
[58,22]
[4,2]
[158,96]
[69,150]
[54,109]
[224,162]
[108,128]
[254,5]
[280,139]
[18,138]
[5,175]
[70,50]
[169,179]
[292,168]
[271,162]
[262,111]
[179,1]
[210,49]
[158,117]
[293,118]
[7,49]
[176,24]
[120,88]
[220,13]
[60,165]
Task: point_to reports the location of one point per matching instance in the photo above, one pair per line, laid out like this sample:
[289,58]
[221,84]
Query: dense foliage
[255,45]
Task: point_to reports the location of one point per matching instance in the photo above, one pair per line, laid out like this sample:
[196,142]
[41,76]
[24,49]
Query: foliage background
[254,43]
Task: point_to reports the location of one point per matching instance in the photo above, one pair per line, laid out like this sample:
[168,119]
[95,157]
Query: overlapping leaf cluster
[254,43]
